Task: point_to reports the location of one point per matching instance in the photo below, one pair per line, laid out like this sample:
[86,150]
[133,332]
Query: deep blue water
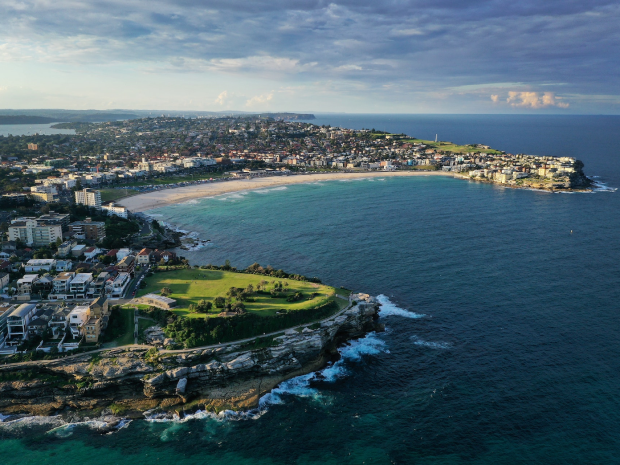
[502,341]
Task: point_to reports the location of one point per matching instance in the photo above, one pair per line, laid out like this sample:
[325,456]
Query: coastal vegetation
[216,305]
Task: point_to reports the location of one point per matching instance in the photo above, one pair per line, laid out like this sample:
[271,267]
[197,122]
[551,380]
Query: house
[17,323]
[144,257]
[127,264]
[61,285]
[43,286]
[64,265]
[116,288]
[24,285]
[122,253]
[77,318]
[59,322]
[39,264]
[163,255]
[91,252]
[78,250]
[78,286]
[4,281]
[64,249]
[98,286]
[37,327]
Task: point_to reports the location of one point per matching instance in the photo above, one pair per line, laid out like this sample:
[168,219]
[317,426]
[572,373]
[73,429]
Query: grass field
[450,147]
[192,285]
[124,334]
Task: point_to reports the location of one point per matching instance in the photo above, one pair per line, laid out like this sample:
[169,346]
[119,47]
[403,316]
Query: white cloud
[221,99]
[534,100]
[407,32]
[495,98]
[259,99]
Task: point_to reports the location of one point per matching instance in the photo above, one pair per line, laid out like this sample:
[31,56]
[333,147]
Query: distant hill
[24,119]
[67,116]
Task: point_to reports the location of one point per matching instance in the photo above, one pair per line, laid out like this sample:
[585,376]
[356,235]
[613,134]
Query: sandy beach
[161,198]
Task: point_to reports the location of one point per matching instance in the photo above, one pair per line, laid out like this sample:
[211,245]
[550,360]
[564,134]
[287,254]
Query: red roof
[112,253]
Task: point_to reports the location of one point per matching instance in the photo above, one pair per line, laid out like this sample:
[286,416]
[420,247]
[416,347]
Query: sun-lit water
[31,129]
[502,341]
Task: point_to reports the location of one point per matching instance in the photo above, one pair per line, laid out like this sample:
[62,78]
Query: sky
[354,56]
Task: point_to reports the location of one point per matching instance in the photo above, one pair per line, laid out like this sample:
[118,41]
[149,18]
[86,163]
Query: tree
[220,302]
[165,291]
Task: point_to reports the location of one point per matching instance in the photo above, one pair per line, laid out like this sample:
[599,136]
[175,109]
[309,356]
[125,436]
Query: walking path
[180,351]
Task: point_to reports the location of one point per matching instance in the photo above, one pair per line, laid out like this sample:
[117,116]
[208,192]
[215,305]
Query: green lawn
[110,195]
[192,285]
[449,146]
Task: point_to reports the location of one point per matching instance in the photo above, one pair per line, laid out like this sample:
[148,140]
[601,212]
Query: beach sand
[161,198]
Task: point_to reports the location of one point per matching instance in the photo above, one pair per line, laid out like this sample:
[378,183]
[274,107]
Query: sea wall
[129,382]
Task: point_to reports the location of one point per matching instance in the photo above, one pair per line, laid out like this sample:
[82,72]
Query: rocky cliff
[128,382]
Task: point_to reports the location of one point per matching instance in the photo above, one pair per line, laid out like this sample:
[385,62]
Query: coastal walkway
[180,351]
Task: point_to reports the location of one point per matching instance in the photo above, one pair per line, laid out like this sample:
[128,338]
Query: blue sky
[362,56]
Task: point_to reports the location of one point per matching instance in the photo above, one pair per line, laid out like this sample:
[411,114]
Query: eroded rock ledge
[128,382]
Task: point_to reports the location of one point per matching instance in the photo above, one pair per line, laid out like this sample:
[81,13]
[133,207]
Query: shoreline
[165,197]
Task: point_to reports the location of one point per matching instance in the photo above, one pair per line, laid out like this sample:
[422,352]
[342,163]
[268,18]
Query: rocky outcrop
[134,380]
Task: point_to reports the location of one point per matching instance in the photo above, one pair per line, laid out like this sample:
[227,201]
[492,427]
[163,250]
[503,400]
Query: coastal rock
[236,379]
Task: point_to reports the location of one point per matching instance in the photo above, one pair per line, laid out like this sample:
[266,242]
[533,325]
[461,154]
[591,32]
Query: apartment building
[88,229]
[78,286]
[88,197]
[34,232]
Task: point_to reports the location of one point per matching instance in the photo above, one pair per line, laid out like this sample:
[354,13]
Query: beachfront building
[116,288]
[88,197]
[113,209]
[77,318]
[40,264]
[79,285]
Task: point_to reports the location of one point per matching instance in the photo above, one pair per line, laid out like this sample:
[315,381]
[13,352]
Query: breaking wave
[390,309]
[602,187]
[432,345]
[271,189]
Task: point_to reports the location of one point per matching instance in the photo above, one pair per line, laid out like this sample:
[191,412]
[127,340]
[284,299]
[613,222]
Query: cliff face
[128,382]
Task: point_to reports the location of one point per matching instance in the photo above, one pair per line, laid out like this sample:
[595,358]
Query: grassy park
[190,286]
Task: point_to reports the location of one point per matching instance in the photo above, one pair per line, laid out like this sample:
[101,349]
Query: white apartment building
[17,323]
[114,209]
[88,197]
[34,232]
[116,288]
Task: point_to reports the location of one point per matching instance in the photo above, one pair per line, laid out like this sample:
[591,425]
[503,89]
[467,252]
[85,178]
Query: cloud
[221,99]
[397,50]
[533,100]
[259,100]
[495,98]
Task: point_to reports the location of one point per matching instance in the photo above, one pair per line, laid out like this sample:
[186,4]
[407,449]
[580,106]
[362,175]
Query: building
[144,257]
[157,301]
[17,323]
[4,281]
[40,264]
[116,288]
[64,249]
[127,264]
[114,209]
[25,284]
[32,146]
[78,286]
[88,229]
[88,197]
[77,318]
[92,330]
[61,285]
[34,232]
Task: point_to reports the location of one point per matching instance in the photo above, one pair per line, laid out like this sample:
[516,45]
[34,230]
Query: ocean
[502,339]
[31,129]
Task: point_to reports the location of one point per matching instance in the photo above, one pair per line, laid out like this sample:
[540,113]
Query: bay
[502,341]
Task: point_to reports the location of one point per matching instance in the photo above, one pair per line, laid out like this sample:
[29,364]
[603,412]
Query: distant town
[69,251]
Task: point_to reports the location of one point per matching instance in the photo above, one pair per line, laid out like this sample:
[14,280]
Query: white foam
[602,187]
[432,345]
[273,189]
[390,309]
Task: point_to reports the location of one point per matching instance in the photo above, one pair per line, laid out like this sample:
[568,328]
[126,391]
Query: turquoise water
[502,341]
